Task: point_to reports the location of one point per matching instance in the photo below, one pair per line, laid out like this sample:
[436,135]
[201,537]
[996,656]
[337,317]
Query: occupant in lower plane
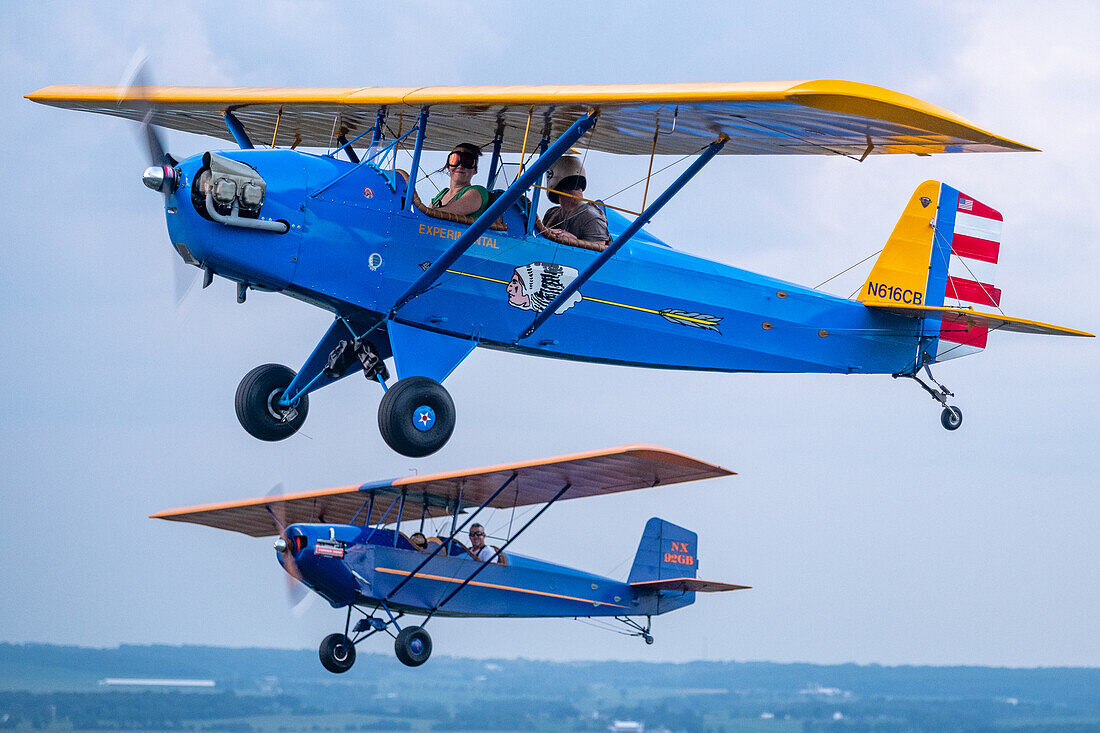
[573,220]
[478,548]
[419,541]
[461,197]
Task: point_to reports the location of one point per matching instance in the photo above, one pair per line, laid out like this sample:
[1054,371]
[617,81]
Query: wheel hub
[280,412]
[423,418]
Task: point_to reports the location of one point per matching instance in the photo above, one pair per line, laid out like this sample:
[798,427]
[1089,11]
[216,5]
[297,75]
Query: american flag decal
[975,249]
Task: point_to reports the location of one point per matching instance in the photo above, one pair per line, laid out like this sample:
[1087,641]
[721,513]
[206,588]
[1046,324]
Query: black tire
[402,404]
[255,399]
[951,417]
[337,653]
[413,646]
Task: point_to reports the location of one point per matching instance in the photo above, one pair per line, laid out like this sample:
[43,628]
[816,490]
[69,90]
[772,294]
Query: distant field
[48,687]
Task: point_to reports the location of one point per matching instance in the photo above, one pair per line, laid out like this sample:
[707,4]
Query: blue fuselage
[372,567]
[353,248]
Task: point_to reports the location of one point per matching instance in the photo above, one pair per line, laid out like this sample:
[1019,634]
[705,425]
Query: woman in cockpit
[461,197]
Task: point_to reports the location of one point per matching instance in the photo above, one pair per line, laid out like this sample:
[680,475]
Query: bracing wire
[834,277]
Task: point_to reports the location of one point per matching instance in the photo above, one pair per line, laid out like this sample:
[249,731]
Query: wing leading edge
[762,118]
[593,473]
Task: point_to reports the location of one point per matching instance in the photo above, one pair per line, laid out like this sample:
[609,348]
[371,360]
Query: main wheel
[337,653]
[416,416]
[257,403]
[413,646]
[951,417]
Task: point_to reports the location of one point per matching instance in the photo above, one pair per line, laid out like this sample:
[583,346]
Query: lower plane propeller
[297,595]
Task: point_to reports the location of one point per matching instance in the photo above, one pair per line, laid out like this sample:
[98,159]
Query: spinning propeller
[297,594]
[161,174]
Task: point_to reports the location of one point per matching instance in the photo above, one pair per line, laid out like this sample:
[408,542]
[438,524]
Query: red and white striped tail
[975,248]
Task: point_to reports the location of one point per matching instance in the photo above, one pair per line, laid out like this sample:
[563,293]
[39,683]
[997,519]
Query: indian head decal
[534,286]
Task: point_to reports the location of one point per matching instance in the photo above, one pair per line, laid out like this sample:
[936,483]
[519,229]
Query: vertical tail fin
[943,251]
[666,551]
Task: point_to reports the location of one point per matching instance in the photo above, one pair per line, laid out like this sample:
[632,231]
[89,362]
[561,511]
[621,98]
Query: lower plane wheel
[951,417]
[413,646]
[648,639]
[257,403]
[416,416]
[337,653]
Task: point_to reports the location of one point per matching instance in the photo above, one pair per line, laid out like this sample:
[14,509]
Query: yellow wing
[784,117]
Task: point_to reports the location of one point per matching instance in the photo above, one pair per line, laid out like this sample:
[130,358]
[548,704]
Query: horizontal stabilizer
[687,584]
[961,320]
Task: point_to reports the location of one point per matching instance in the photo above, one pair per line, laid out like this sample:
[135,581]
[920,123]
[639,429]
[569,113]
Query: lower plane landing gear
[416,416]
[413,646]
[951,417]
[637,629]
[337,653]
[258,403]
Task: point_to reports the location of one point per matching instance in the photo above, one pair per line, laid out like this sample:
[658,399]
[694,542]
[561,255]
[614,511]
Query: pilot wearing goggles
[461,197]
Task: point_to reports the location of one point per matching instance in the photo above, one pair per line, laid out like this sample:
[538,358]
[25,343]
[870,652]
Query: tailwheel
[413,646]
[951,417]
[337,653]
[416,416]
[259,406]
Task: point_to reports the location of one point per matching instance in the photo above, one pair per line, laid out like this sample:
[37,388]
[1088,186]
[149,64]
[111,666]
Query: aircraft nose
[160,178]
[280,545]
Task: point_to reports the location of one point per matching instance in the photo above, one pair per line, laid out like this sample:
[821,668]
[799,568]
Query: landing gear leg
[951,417]
[639,630]
[412,644]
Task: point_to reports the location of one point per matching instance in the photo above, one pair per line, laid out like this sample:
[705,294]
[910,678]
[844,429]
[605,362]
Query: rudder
[943,251]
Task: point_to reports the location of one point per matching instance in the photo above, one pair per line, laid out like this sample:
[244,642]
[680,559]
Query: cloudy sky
[869,533]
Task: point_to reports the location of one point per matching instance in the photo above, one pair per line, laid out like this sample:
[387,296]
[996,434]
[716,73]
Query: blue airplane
[419,287]
[347,545]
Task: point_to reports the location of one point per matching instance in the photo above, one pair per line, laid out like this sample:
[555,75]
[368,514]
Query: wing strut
[454,533]
[236,129]
[498,207]
[712,150]
[496,554]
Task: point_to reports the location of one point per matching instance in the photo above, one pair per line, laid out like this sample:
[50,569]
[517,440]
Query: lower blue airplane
[347,545]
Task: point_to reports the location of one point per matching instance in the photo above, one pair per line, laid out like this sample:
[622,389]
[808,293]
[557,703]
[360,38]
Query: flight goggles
[462,158]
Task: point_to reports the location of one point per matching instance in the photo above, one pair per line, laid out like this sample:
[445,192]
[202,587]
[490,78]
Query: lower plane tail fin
[666,551]
[667,561]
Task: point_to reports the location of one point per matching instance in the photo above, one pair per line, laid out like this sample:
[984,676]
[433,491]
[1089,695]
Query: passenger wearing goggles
[461,197]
